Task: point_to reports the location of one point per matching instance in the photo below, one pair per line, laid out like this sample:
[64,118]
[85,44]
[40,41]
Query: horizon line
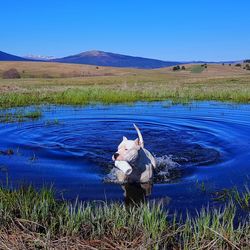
[125,54]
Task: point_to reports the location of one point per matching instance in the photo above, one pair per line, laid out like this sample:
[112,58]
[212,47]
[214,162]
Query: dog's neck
[135,162]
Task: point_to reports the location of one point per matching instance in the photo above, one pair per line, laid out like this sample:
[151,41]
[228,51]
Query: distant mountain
[8,57]
[102,58]
[39,57]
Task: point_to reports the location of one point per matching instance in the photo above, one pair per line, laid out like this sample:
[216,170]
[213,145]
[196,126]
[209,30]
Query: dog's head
[128,149]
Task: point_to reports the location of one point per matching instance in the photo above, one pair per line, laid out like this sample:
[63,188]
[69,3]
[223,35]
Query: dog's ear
[124,138]
[137,142]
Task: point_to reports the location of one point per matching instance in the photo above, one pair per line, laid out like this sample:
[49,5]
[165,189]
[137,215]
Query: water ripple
[210,141]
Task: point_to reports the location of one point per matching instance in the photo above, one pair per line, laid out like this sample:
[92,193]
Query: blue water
[71,147]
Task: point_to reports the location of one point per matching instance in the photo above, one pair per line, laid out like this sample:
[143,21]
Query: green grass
[242,199]
[197,69]
[232,90]
[20,116]
[35,219]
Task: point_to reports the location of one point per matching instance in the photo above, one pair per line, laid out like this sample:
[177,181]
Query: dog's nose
[116,155]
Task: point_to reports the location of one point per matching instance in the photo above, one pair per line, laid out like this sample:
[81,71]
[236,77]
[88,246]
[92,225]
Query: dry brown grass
[51,69]
[63,70]
[22,239]
[212,70]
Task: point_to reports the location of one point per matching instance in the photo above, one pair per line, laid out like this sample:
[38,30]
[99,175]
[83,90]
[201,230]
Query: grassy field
[117,85]
[36,220]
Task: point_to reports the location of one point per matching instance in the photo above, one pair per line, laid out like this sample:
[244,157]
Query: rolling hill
[102,58]
[8,57]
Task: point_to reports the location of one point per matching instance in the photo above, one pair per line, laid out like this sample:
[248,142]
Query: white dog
[134,163]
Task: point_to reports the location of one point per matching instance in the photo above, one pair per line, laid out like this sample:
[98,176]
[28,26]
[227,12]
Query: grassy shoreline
[35,219]
[111,91]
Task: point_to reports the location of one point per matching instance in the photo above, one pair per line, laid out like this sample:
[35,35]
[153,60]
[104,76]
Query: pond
[204,147]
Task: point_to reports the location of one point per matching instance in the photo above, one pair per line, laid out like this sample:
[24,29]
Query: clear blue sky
[169,30]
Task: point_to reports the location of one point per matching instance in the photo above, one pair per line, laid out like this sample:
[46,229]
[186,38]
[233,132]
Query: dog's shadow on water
[136,193]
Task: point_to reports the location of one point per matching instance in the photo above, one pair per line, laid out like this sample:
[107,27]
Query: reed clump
[31,219]
[20,116]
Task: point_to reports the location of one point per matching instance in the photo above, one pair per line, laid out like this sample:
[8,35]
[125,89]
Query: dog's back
[143,167]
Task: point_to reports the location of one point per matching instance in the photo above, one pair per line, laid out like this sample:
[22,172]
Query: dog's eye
[126,149]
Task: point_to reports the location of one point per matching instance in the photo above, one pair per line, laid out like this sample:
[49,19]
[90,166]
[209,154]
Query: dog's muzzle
[115,155]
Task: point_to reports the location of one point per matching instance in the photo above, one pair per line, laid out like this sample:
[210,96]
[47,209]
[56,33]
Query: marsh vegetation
[45,84]
[20,116]
[35,219]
